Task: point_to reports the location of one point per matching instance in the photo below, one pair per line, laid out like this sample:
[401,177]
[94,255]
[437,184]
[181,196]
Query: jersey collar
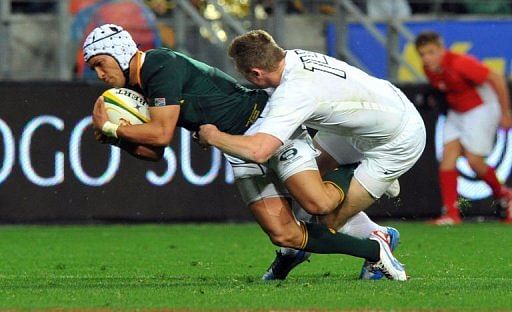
[289,63]
[139,60]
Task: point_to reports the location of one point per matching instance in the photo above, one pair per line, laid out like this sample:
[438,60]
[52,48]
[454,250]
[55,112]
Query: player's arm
[499,84]
[478,73]
[157,132]
[258,147]
[143,152]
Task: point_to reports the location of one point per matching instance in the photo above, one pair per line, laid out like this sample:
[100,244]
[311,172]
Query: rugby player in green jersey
[183,92]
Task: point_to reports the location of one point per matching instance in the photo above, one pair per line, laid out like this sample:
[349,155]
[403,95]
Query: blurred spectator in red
[478,102]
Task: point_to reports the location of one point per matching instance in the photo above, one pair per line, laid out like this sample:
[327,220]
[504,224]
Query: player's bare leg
[363,227]
[360,225]
[357,199]
[310,191]
[477,163]
[501,193]
[451,151]
[327,163]
[354,202]
[314,195]
[276,218]
[448,184]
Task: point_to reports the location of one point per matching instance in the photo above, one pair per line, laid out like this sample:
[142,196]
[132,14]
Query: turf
[219,267]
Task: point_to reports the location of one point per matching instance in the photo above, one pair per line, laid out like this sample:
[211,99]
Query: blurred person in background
[478,103]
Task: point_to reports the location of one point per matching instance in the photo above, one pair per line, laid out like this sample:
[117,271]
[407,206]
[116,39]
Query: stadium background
[51,170]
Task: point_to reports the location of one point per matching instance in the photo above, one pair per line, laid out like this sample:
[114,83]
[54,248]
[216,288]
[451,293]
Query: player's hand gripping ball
[125,106]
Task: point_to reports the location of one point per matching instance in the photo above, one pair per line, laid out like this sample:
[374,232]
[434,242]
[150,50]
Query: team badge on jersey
[159,102]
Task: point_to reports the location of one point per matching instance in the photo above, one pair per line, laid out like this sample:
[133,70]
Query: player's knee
[448,163]
[289,240]
[477,164]
[473,164]
[320,206]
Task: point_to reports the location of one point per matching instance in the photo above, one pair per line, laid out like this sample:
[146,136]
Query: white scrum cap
[112,40]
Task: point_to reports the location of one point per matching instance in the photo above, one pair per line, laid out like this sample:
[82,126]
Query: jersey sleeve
[163,84]
[288,108]
[470,68]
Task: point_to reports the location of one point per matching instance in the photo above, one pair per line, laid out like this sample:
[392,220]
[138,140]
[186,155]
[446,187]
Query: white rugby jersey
[329,95]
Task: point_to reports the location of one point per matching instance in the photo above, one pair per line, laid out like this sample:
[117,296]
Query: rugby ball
[125,104]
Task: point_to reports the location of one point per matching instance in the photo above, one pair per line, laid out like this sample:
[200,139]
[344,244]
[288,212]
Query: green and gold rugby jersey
[205,94]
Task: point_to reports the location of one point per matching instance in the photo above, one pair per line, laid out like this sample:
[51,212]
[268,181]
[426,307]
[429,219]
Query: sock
[340,176]
[320,239]
[490,178]
[448,184]
[361,226]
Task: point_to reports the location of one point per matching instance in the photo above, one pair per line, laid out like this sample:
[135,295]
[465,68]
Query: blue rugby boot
[367,273]
[387,264]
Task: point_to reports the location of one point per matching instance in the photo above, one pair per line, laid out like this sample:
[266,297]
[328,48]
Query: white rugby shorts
[475,129]
[380,165]
[258,181]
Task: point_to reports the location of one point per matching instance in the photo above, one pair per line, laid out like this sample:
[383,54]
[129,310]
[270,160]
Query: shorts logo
[288,154]
[159,102]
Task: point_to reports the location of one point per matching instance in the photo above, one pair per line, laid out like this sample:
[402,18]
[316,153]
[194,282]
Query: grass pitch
[219,267]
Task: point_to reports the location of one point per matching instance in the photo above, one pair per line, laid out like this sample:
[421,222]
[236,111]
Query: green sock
[341,176]
[322,240]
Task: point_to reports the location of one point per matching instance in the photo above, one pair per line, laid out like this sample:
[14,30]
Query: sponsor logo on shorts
[288,154]
[388,172]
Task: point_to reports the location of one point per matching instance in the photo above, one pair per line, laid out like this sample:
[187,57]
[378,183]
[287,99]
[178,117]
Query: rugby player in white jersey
[358,118]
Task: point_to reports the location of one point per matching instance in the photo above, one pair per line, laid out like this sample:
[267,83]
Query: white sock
[361,226]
